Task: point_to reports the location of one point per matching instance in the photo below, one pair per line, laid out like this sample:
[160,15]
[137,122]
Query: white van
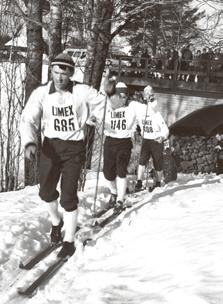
[78,56]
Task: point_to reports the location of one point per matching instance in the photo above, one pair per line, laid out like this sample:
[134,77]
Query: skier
[61,109]
[120,124]
[154,132]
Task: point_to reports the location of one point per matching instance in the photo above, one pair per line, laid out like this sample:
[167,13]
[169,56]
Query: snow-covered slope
[167,248]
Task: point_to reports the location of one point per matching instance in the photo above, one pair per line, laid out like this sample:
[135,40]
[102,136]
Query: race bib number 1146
[118,124]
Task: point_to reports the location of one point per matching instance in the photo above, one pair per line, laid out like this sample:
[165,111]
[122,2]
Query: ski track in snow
[167,248]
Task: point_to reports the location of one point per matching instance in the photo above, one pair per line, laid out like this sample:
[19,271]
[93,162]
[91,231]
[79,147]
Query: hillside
[167,248]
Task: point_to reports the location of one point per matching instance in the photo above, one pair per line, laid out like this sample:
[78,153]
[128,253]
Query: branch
[24,16]
[209,2]
[142,7]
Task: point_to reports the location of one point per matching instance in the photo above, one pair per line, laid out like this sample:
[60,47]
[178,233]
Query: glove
[138,130]
[151,98]
[30,151]
[166,144]
[92,121]
[218,137]
[159,139]
[217,148]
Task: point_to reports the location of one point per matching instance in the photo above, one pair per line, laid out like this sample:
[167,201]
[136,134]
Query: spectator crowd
[187,64]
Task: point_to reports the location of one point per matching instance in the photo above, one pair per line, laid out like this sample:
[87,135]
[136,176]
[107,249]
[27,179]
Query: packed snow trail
[165,249]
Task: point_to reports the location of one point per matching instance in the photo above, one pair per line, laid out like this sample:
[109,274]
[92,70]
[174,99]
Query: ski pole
[142,135]
[90,135]
[100,153]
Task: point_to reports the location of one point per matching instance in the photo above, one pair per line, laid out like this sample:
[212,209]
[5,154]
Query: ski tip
[26,293]
[95,224]
[64,259]
[21,265]
[85,242]
[27,266]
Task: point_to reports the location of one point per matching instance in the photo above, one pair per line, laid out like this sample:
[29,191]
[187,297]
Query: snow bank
[167,248]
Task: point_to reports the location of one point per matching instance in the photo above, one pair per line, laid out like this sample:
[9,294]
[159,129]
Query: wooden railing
[199,70]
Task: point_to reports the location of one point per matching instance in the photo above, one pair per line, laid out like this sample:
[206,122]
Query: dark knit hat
[63,59]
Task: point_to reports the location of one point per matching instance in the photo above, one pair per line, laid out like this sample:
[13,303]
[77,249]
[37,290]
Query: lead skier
[61,109]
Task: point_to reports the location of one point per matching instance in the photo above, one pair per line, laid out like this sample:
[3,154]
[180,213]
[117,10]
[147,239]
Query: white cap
[148,89]
[121,87]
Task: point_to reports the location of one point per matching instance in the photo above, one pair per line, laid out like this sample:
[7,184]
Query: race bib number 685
[64,124]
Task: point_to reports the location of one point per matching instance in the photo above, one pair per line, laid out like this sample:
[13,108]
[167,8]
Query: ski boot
[67,250]
[112,200]
[138,186]
[157,184]
[118,206]
[55,234]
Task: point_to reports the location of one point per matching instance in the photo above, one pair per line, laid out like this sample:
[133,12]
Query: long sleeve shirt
[60,115]
[121,122]
[152,124]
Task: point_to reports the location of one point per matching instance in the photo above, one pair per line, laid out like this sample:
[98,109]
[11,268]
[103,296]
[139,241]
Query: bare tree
[106,19]
[99,38]
[14,94]
[11,101]
[211,25]
[33,66]
[55,28]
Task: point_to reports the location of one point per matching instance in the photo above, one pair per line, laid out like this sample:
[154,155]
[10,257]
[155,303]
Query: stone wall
[174,107]
[194,154]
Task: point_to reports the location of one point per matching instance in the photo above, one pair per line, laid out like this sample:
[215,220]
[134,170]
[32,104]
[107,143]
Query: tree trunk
[55,27]
[33,68]
[98,41]
[99,38]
